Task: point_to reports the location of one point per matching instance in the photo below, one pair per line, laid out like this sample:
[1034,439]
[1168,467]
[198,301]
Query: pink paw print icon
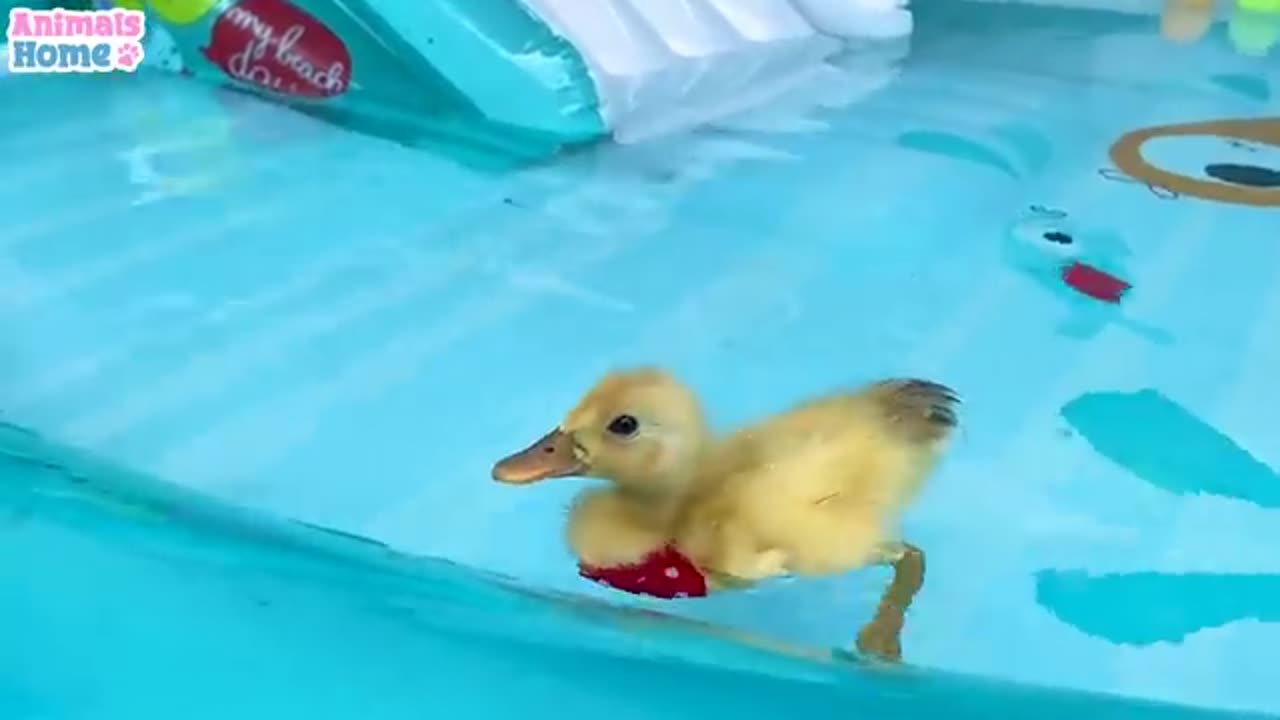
[128,55]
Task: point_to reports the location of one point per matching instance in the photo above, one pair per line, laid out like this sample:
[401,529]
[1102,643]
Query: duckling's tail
[920,411]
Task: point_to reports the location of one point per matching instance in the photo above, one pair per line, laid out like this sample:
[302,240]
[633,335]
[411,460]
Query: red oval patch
[664,573]
[277,46]
[1097,284]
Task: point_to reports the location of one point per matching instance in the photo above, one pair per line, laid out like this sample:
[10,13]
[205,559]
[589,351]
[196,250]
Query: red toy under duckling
[664,573]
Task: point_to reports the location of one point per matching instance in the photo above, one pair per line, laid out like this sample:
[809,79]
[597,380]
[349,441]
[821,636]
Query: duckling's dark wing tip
[923,410]
[931,388]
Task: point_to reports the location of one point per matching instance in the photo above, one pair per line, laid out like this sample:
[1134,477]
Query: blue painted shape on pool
[1254,87]
[1164,444]
[342,332]
[957,147]
[1142,608]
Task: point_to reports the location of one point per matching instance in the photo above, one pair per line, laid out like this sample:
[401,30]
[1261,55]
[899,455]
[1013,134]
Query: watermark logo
[75,41]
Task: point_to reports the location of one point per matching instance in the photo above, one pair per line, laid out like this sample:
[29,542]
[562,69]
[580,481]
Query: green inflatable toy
[416,72]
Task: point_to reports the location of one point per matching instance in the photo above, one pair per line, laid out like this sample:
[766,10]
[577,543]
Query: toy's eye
[1058,237]
[624,426]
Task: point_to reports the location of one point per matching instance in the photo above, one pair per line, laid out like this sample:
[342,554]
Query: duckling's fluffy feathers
[817,490]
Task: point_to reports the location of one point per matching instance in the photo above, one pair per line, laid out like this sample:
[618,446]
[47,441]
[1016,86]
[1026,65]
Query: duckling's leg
[882,636]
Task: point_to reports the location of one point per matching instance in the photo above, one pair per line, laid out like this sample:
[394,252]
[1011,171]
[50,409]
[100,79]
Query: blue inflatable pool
[131,599]
[274,303]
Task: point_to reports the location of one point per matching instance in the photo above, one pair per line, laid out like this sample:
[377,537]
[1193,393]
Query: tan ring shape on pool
[1126,155]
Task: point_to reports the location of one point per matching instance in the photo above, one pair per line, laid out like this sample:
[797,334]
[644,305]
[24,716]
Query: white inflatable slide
[665,65]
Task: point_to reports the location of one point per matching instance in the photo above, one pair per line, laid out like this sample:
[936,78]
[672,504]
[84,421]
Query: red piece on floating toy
[1095,283]
[663,573]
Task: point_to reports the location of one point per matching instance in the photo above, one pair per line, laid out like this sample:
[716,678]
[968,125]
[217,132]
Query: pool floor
[304,321]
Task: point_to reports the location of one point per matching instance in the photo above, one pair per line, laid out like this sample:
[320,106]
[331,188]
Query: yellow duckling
[816,490]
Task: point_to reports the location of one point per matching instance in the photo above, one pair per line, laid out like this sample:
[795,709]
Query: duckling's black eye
[1055,236]
[624,426]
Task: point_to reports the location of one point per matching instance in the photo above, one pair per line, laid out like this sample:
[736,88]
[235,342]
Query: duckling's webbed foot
[882,636]
[923,411]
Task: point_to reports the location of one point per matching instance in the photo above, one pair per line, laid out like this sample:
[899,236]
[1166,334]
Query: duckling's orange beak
[551,456]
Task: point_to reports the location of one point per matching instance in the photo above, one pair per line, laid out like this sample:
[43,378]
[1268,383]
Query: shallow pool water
[131,599]
[339,330]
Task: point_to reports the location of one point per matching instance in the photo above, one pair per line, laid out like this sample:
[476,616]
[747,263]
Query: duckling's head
[641,429]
